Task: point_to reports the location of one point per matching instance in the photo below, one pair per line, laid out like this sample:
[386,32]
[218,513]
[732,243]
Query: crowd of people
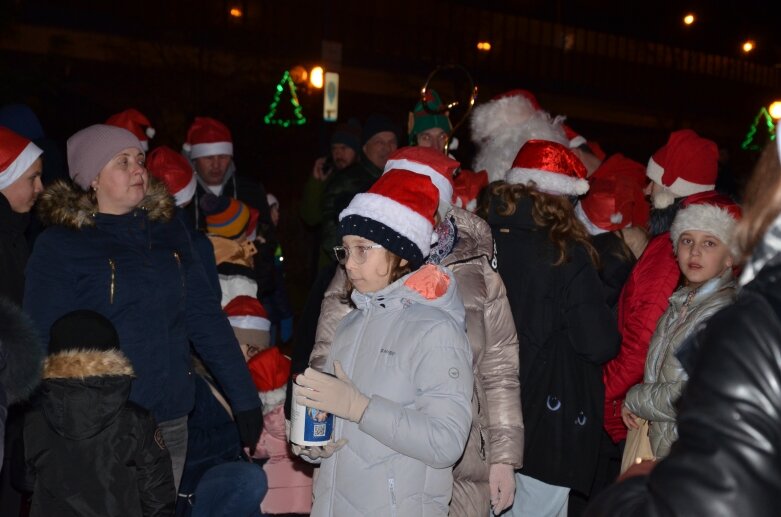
[557,332]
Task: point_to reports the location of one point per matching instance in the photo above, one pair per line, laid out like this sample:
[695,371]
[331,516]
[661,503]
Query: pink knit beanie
[93,147]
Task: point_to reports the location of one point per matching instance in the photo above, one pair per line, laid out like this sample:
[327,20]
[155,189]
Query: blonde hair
[762,201]
[396,271]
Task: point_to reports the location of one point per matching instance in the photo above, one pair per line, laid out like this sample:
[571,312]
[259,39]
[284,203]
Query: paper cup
[310,426]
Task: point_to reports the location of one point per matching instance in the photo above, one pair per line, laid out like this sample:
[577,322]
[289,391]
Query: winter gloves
[338,396]
[250,424]
[501,481]
[317,453]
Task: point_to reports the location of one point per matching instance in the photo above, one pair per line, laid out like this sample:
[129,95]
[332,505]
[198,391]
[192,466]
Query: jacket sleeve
[643,301]
[436,429]
[725,461]
[498,371]
[50,289]
[592,328]
[332,311]
[655,401]
[212,336]
[153,471]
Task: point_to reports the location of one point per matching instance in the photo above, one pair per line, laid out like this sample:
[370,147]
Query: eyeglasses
[342,253]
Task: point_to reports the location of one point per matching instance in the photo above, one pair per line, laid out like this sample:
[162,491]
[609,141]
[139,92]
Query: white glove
[318,452]
[501,481]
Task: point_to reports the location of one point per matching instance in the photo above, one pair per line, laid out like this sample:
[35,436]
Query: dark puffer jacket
[566,331]
[90,453]
[138,270]
[727,460]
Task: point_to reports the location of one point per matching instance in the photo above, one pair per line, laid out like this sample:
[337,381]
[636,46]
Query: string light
[298,116]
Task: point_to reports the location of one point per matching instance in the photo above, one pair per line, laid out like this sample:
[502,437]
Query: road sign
[331,97]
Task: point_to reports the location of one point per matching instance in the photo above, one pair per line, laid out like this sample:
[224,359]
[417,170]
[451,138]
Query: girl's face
[369,269]
[122,184]
[702,256]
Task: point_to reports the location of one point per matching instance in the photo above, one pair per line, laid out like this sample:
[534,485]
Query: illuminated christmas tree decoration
[298,116]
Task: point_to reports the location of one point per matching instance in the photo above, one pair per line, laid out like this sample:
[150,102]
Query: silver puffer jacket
[496,435]
[664,377]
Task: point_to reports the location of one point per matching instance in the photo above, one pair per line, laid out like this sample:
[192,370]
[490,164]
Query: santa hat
[615,199]
[550,167]
[246,312]
[17,154]
[272,200]
[687,164]
[505,110]
[270,371]
[429,162]
[708,212]
[237,281]
[135,122]
[396,212]
[174,171]
[467,187]
[575,139]
[208,137]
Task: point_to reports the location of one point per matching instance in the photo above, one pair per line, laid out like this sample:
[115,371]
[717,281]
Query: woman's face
[123,182]
[702,256]
[22,193]
[369,269]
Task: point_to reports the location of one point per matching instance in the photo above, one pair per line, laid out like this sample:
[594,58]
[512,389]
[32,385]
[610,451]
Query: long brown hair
[762,201]
[396,271]
[554,213]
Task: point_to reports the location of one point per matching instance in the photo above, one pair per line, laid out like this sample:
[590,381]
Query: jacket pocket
[112,280]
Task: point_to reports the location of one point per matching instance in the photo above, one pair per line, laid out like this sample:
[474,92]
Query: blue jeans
[231,489]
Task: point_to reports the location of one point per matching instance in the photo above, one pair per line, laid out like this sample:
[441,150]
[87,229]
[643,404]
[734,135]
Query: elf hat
[550,167]
[396,212]
[17,154]
[467,187]
[174,171]
[226,216]
[427,114]
[270,371]
[429,162]
[615,199]
[135,122]
[708,212]
[208,137]
[687,164]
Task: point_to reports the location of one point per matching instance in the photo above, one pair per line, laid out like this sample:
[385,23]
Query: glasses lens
[340,252]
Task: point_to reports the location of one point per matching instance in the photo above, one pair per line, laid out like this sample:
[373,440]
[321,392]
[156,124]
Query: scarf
[446,234]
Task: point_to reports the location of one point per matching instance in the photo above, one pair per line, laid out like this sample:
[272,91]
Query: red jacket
[643,300]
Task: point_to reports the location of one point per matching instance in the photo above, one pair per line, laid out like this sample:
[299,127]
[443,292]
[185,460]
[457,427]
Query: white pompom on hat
[135,122]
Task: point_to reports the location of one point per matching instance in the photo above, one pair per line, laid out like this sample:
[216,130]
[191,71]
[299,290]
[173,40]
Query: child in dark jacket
[88,450]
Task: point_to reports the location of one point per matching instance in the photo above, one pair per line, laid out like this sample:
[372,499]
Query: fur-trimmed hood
[85,390]
[65,204]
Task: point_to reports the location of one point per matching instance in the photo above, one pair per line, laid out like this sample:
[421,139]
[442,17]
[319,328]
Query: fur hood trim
[21,353]
[80,363]
[65,204]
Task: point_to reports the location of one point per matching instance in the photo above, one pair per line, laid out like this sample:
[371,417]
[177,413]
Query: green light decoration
[298,117]
[763,116]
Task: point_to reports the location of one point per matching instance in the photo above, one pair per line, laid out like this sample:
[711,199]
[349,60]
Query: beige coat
[496,435]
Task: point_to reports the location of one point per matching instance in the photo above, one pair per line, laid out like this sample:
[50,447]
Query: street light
[748,46]
[236,12]
[316,77]
[483,46]
[775,110]
[688,19]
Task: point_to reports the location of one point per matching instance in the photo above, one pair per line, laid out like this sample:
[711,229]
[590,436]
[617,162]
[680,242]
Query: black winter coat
[727,460]
[616,262]
[566,331]
[13,251]
[88,451]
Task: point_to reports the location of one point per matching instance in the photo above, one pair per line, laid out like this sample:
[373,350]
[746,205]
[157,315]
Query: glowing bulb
[236,12]
[775,110]
[316,77]
[688,19]
[748,46]
[484,46]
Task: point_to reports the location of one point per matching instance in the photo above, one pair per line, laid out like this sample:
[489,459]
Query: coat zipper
[392,491]
[179,266]
[113,267]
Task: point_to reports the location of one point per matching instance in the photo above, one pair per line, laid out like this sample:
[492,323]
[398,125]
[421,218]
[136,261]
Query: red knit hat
[429,162]
[246,312]
[615,199]
[208,137]
[135,122]
[468,185]
[709,212]
[397,212]
[550,167]
[687,164]
[175,171]
[16,155]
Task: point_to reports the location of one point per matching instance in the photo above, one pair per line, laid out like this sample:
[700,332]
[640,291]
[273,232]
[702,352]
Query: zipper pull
[113,267]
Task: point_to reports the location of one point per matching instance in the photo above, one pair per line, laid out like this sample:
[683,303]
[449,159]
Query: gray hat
[93,147]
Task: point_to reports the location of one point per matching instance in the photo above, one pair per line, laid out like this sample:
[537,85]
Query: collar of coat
[81,363]
[65,204]
[474,237]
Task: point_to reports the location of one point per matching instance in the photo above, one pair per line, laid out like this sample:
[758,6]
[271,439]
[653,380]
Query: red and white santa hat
[135,122]
[550,167]
[208,137]
[429,162]
[467,187]
[396,212]
[687,164]
[270,370]
[615,199]
[709,212]
[246,312]
[174,171]
[503,111]
[17,154]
